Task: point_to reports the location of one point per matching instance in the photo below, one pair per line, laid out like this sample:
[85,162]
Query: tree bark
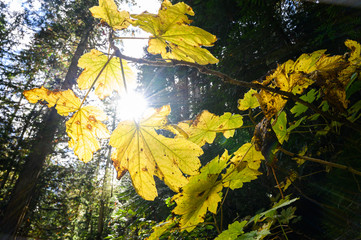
[26,183]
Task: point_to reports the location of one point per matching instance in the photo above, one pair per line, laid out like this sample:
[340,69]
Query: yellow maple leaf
[65,101]
[205,127]
[83,128]
[248,101]
[108,12]
[203,191]
[248,153]
[144,153]
[173,38]
[110,79]
[297,76]
[160,228]
[355,56]
[201,194]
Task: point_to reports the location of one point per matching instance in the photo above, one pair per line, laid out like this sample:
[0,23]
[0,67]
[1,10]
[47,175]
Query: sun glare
[132,106]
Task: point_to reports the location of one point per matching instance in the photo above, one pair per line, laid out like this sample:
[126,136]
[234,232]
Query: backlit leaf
[205,127]
[161,228]
[332,73]
[144,153]
[110,79]
[299,108]
[108,12]
[83,128]
[355,47]
[248,153]
[249,101]
[202,193]
[173,38]
[65,101]
[279,126]
[233,231]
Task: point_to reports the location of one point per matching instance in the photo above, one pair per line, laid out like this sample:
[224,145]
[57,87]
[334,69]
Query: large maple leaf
[144,153]
[83,127]
[173,38]
[206,125]
[111,77]
[108,12]
[203,192]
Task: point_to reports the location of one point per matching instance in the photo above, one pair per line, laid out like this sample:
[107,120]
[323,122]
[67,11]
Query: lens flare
[132,106]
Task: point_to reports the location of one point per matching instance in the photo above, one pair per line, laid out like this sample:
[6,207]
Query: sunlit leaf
[289,180]
[65,101]
[144,153]
[299,108]
[83,128]
[237,175]
[279,126]
[110,79]
[355,48]
[108,12]
[205,127]
[173,38]
[248,153]
[160,228]
[233,231]
[248,101]
[202,193]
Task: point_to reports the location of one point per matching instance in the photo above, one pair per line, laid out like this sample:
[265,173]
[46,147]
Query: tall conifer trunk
[26,183]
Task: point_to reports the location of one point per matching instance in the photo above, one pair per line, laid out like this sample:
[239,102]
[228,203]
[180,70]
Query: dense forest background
[47,193]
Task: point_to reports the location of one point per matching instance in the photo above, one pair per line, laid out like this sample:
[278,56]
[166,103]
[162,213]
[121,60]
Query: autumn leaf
[83,128]
[248,153]
[206,125]
[203,191]
[65,101]
[144,153]
[111,77]
[355,56]
[332,73]
[173,38]
[234,230]
[201,194]
[108,12]
[161,228]
[248,101]
[244,168]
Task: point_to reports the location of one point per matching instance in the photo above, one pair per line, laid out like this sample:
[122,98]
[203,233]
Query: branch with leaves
[143,152]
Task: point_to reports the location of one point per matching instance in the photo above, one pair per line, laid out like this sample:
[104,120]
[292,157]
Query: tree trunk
[24,188]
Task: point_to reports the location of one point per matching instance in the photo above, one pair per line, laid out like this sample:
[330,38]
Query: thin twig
[331,164]
[227,79]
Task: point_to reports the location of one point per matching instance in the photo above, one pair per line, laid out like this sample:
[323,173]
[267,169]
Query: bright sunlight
[132,106]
